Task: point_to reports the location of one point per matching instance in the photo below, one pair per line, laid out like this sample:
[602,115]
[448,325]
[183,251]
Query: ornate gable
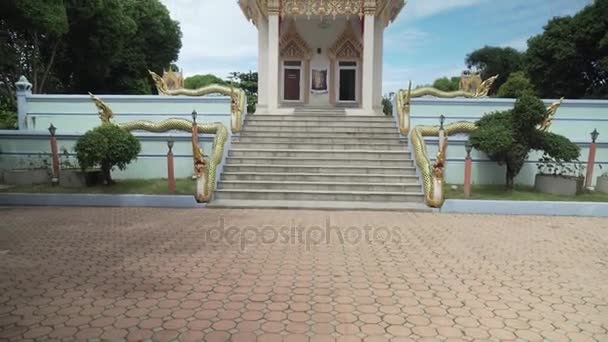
[292,45]
[347,45]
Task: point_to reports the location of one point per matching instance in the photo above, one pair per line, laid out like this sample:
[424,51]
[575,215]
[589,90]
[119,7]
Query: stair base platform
[319,205]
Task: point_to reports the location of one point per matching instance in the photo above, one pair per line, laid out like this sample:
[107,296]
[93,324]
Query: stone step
[319,177]
[321,169]
[396,146]
[318,154]
[325,186]
[317,123]
[319,129]
[309,195]
[255,138]
[370,162]
[317,118]
[296,133]
[321,205]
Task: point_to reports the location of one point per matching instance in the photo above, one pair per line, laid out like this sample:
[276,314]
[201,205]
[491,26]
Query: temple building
[320,53]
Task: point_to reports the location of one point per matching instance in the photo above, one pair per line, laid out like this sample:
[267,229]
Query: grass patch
[183,186]
[520,193]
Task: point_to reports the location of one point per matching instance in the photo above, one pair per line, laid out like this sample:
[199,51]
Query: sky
[429,39]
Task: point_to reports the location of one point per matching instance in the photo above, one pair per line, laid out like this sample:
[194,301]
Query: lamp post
[54,155]
[591,159]
[467,169]
[170,166]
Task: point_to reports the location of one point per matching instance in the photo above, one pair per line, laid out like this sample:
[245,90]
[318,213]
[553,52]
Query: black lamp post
[441,121]
[52,130]
[468,147]
[194,114]
[170,143]
[594,135]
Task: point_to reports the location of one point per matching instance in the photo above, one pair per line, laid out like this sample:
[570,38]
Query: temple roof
[385,9]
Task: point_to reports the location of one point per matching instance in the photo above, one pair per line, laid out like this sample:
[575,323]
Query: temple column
[273,59]
[262,63]
[367,96]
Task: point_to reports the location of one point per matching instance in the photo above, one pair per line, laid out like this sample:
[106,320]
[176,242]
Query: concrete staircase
[319,158]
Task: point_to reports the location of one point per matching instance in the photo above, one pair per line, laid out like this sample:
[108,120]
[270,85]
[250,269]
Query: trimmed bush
[106,147]
[508,137]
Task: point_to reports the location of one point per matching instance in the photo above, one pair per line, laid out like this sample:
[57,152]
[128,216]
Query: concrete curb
[543,208]
[100,200]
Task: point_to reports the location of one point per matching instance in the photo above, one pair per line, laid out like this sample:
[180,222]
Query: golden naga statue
[238,104]
[403,99]
[432,173]
[205,169]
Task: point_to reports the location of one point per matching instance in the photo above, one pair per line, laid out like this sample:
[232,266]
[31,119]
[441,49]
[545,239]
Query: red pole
[591,159]
[54,155]
[170,168]
[468,162]
[194,135]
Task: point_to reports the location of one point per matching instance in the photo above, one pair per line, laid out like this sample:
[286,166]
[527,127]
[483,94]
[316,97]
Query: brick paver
[245,275]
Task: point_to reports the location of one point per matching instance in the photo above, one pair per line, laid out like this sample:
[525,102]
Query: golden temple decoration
[206,170]
[389,9]
[403,98]
[347,45]
[551,110]
[432,173]
[105,113]
[292,45]
[469,82]
[238,104]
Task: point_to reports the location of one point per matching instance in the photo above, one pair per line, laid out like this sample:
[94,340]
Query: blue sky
[429,39]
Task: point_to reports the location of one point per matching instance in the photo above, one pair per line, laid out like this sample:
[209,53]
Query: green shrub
[508,137]
[106,146]
[8,116]
[516,85]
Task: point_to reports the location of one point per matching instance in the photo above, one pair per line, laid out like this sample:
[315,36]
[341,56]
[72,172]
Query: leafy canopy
[516,85]
[507,137]
[106,146]
[492,61]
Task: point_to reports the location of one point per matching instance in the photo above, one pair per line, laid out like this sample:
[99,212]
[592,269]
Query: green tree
[496,61]
[507,137]
[106,146]
[447,84]
[199,81]
[248,81]
[79,46]
[516,85]
[570,58]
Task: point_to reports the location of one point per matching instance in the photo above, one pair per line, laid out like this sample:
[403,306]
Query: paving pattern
[247,275]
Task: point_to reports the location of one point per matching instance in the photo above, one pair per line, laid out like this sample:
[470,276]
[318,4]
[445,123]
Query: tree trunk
[106,171]
[49,66]
[510,178]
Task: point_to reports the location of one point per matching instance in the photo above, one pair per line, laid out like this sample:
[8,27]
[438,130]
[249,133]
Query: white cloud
[216,36]
[520,43]
[427,8]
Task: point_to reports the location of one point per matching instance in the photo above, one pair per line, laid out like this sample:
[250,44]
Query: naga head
[439,164]
[551,110]
[105,113]
[161,86]
[485,86]
[199,160]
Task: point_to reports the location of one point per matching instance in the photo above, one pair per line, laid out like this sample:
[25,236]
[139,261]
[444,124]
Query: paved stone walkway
[152,274]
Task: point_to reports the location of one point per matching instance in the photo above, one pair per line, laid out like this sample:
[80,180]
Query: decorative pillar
[467,169]
[54,155]
[591,159]
[273,56]
[368,57]
[170,167]
[262,24]
[307,80]
[194,136]
[331,83]
[23,90]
